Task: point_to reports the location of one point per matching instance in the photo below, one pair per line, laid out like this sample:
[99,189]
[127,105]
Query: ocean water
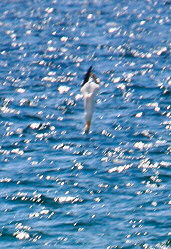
[61,188]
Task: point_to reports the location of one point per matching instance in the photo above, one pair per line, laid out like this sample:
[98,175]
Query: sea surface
[61,188]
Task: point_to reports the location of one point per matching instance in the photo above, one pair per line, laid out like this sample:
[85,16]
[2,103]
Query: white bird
[89,89]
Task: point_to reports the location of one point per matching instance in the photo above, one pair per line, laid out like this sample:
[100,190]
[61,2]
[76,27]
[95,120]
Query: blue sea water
[61,188]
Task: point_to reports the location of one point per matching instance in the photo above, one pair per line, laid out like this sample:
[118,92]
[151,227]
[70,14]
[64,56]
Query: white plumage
[89,90]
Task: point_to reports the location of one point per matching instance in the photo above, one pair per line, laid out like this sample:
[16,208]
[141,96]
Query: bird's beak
[87,126]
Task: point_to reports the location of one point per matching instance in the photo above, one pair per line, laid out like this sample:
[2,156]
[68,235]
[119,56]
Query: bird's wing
[87,76]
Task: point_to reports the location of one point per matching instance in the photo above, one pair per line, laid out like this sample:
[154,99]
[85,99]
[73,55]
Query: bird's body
[89,90]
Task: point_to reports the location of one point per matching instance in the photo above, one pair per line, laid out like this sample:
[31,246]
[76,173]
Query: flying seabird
[89,89]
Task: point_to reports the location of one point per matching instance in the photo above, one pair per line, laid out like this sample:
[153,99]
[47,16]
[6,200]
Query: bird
[89,89]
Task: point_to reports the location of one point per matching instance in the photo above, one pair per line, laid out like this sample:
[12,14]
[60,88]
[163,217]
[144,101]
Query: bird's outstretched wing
[87,76]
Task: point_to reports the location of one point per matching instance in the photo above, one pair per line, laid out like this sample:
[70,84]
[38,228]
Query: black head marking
[87,76]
